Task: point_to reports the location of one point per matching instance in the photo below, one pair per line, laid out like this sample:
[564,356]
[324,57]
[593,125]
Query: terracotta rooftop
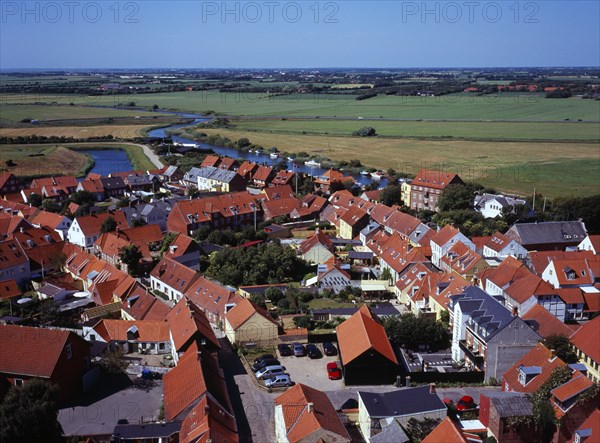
[539,357]
[544,322]
[145,330]
[187,324]
[301,421]
[434,179]
[586,339]
[360,333]
[9,289]
[243,310]
[446,432]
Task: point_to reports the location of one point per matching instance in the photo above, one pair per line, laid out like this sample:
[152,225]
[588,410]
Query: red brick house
[58,356]
[8,183]
[428,186]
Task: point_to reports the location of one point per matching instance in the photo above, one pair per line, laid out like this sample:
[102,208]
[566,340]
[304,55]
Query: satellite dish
[22,301]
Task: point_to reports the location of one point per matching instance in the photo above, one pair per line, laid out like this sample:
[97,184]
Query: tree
[274,294]
[391,195]
[114,361]
[154,107]
[193,192]
[51,205]
[29,413]
[10,163]
[419,429]
[457,197]
[131,256]
[563,347]
[412,331]
[35,200]
[366,131]
[108,225]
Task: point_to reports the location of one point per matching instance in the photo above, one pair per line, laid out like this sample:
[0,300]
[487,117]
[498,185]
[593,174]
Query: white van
[279,381]
[270,371]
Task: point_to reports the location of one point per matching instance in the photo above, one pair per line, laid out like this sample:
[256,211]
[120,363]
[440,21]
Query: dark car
[465,403]
[329,348]
[285,350]
[313,351]
[264,363]
[299,350]
[263,357]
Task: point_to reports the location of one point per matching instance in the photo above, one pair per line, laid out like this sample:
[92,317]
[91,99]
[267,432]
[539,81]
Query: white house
[85,230]
[500,246]
[491,206]
[590,243]
[172,278]
[59,223]
[443,240]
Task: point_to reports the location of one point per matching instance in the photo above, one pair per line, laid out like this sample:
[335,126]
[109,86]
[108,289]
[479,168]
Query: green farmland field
[12,113]
[508,106]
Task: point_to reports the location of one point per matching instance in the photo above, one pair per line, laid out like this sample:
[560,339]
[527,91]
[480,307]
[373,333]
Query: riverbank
[140,156]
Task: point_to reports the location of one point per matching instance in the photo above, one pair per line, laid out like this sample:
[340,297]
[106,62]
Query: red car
[333,371]
[465,403]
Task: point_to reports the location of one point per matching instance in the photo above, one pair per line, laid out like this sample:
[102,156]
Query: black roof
[405,401]
[550,232]
[148,430]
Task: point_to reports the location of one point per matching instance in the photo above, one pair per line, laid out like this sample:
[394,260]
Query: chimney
[310,407]
[408,381]
[515,311]
[21,230]
[432,388]
[552,354]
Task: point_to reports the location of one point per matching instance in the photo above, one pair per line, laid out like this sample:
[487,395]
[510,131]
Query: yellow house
[352,222]
[249,323]
[405,193]
[585,341]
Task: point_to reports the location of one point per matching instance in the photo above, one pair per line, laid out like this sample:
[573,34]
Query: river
[263,159]
[108,160]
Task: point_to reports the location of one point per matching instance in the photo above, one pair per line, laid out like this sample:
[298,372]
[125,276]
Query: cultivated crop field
[34,160]
[11,114]
[553,168]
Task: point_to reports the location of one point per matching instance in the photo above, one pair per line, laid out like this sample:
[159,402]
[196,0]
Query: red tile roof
[11,254]
[243,310]
[498,241]
[263,173]
[91,224]
[211,160]
[435,179]
[67,181]
[507,272]
[147,330]
[354,216]
[319,237]
[32,351]
[540,260]
[279,207]
[571,295]
[143,306]
[446,432]
[301,422]
[573,387]
[545,323]
[529,285]
[174,274]
[586,339]
[187,323]
[444,235]
[283,178]
[228,163]
[9,289]
[211,297]
[247,169]
[452,284]
[539,356]
[580,269]
[461,259]
[182,245]
[50,219]
[360,333]
[208,421]
[278,192]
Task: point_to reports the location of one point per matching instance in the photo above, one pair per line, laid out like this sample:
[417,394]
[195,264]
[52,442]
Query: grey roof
[511,404]
[148,430]
[549,232]
[488,315]
[531,370]
[221,175]
[360,255]
[381,310]
[139,180]
[405,401]
[170,171]
[392,432]
[112,182]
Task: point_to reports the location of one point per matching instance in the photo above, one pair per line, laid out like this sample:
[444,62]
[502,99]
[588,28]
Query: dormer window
[527,373]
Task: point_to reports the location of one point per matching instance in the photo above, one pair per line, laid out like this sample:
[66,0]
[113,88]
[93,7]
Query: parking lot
[312,372]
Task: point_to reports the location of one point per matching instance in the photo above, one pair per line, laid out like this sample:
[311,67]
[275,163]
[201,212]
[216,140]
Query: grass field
[36,160]
[117,131]
[16,113]
[507,106]
[555,169]
[429,129]
[45,159]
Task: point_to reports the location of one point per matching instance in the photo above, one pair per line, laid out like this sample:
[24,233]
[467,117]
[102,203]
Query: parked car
[264,363]
[285,350]
[299,350]
[313,351]
[270,371]
[333,371]
[263,357]
[329,348]
[279,381]
[465,403]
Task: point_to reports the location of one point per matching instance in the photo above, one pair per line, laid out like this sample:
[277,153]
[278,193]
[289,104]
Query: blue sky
[271,34]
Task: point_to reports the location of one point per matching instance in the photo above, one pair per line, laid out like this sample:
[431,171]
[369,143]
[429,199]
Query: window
[161,346]
[18,382]
[69,351]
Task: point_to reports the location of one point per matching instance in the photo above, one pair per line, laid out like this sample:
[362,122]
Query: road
[150,154]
